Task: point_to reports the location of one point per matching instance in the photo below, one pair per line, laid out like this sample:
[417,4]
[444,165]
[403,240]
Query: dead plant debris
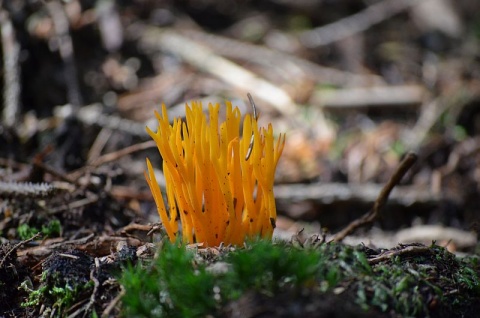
[356,86]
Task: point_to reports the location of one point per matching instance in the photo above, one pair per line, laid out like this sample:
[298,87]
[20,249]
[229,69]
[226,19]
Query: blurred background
[354,84]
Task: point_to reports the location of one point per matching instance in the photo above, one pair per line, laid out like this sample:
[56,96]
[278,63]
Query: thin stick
[112,156]
[250,146]
[407,250]
[99,144]
[93,296]
[11,71]
[17,246]
[382,198]
[355,23]
[208,61]
[238,50]
[114,302]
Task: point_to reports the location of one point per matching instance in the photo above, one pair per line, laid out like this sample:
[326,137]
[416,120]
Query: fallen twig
[113,303]
[99,144]
[361,97]
[123,152]
[11,71]
[208,61]
[373,214]
[74,205]
[93,115]
[404,250]
[13,249]
[355,23]
[260,54]
[22,189]
[367,193]
[93,296]
[112,156]
[426,234]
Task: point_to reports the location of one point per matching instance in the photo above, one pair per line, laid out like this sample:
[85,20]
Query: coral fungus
[218,184]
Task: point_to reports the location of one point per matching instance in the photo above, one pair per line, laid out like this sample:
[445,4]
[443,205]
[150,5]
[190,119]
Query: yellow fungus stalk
[219,189]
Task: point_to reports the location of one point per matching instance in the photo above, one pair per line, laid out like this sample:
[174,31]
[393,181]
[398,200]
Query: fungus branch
[218,184]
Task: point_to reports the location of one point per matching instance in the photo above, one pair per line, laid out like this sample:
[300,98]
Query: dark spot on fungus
[272,222]
[216,235]
[251,220]
[228,222]
[185,212]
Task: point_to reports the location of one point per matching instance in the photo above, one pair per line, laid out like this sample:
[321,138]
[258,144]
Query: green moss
[178,283]
[25,231]
[34,296]
[64,281]
[175,284]
[52,229]
[268,267]
[418,285]
[172,286]
[61,298]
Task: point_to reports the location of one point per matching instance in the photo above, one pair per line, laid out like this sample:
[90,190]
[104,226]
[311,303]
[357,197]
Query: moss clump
[431,283]
[52,229]
[65,276]
[179,283]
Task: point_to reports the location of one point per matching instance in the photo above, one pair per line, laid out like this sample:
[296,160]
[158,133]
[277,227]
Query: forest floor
[380,173]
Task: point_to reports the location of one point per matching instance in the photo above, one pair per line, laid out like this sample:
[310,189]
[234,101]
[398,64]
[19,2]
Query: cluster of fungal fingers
[219,185]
